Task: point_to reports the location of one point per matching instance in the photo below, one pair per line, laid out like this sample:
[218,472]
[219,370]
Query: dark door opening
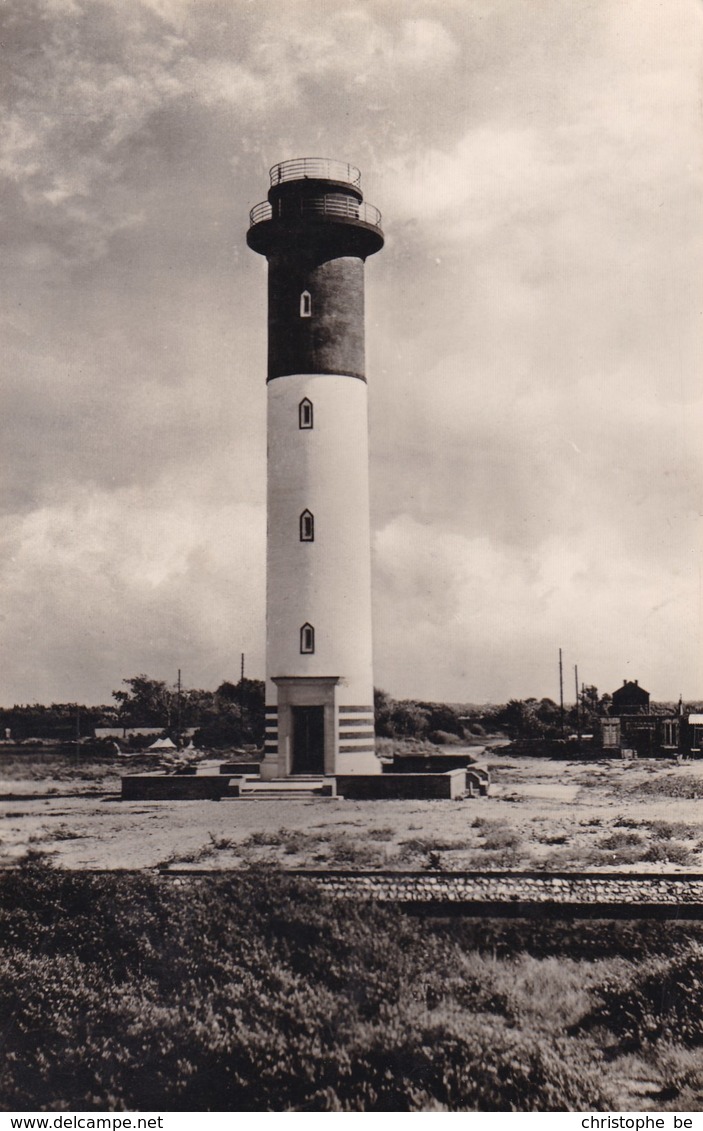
[308,740]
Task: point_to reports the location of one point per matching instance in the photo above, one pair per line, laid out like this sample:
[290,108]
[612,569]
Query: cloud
[465,615]
[533,325]
[108,584]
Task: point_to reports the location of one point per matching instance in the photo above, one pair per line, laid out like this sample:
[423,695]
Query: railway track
[595,895]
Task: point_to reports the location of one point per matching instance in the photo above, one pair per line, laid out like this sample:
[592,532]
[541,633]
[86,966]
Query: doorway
[308,740]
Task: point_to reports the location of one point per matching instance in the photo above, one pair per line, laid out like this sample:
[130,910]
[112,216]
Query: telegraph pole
[578,703]
[178,712]
[561,694]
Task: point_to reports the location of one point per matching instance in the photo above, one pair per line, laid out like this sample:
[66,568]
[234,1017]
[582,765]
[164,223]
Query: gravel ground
[607,815]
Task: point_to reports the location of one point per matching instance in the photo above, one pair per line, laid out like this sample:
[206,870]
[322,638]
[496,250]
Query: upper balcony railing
[315,168]
[345,208]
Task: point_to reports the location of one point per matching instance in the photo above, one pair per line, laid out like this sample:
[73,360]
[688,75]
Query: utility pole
[561,694]
[178,712]
[241,674]
[578,703]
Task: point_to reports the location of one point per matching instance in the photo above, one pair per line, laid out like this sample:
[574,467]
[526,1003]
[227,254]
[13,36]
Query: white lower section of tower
[319,685]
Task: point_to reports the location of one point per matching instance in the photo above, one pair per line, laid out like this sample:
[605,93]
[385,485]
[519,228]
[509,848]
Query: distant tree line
[518,718]
[233,715]
[230,716]
[412,718]
[62,721]
[543,718]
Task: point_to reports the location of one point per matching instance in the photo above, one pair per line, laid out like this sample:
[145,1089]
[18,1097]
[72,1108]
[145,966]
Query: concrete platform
[359,787]
[235,769]
[429,763]
[177,787]
[389,786]
[478,779]
[216,786]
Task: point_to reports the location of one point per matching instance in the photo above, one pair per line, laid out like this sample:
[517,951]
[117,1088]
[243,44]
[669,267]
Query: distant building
[126,732]
[632,725]
[130,731]
[630,699]
[694,733]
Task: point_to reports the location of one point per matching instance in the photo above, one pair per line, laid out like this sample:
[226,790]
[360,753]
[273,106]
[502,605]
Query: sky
[534,340]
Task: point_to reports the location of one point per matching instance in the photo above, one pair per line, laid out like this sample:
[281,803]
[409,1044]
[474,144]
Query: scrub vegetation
[254,993]
[540,815]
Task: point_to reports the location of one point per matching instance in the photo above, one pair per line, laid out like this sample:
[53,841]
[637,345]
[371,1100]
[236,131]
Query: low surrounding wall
[428,763]
[357,787]
[176,787]
[390,787]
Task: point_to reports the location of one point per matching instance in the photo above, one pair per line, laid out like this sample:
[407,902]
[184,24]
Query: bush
[685,787]
[445,738]
[498,838]
[421,844]
[668,852]
[255,993]
[492,1069]
[663,1000]
[668,830]
[588,939]
[619,840]
[682,1075]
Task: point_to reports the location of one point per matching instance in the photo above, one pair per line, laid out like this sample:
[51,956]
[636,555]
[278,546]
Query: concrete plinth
[178,787]
[236,769]
[428,763]
[390,787]
[358,787]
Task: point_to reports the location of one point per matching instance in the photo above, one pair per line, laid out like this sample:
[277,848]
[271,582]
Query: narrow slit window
[307,639]
[307,527]
[306,305]
[305,414]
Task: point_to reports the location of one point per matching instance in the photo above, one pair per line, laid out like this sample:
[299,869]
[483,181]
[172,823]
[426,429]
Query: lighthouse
[316,233]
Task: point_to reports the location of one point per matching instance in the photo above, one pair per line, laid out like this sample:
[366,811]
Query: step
[284,784]
[279,795]
[286,787]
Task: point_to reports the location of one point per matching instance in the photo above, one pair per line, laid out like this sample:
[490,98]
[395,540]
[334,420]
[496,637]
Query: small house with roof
[630,699]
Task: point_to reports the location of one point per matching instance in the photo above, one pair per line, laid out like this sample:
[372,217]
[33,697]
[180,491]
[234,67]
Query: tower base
[309,732]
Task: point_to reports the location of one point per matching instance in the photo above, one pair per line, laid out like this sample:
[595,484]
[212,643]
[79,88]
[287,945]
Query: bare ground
[541,814]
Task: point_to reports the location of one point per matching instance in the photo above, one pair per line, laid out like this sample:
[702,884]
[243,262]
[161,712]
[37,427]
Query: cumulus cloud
[107,584]
[465,613]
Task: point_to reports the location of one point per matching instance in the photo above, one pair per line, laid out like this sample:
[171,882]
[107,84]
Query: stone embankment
[593,895]
[514,893]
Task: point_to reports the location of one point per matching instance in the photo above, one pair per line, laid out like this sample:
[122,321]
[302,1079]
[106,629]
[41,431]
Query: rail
[260,212]
[314,168]
[329,206]
[317,206]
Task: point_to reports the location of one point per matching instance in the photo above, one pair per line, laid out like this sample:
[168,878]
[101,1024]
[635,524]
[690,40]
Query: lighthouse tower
[316,233]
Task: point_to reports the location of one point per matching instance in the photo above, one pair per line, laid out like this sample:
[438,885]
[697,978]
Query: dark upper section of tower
[316,205]
[315,232]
